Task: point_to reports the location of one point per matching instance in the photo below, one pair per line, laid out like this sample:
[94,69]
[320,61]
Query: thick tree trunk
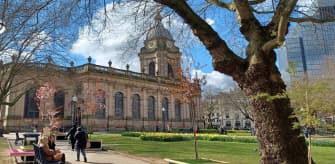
[279,142]
[257,76]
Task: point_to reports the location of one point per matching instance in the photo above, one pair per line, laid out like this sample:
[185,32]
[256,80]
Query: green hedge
[233,139]
[325,143]
[131,134]
[208,131]
[173,138]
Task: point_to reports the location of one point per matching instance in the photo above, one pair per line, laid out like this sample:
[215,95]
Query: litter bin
[1,132]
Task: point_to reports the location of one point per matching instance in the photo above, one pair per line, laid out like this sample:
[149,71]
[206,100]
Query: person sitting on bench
[50,155]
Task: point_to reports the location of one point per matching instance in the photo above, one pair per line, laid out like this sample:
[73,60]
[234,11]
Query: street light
[74,109]
[163,115]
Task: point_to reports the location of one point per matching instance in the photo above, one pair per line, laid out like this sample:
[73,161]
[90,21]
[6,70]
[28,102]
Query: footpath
[96,156]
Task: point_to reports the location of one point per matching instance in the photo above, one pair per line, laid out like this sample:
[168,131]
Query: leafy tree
[310,100]
[256,74]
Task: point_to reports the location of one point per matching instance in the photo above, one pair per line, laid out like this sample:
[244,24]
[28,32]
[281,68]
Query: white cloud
[120,29]
[210,21]
[109,44]
[216,81]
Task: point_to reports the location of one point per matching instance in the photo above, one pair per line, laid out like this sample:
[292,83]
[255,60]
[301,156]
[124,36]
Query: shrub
[325,143]
[131,134]
[163,137]
[208,131]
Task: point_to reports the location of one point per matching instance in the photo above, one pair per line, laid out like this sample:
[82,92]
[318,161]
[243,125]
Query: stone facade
[106,98]
[229,110]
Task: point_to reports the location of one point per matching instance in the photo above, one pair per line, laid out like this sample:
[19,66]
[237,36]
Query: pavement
[96,156]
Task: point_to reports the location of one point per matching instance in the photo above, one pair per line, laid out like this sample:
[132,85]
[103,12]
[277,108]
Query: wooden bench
[39,156]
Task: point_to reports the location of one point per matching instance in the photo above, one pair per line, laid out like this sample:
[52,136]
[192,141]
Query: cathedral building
[106,98]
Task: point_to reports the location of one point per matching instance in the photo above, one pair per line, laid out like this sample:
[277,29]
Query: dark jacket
[71,132]
[81,139]
[52,146]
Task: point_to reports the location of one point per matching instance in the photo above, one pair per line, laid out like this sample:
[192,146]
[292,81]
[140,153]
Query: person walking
[71,134]
[81,139]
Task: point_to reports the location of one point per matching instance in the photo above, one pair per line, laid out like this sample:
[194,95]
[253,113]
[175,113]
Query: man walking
[71,133]
[81,139]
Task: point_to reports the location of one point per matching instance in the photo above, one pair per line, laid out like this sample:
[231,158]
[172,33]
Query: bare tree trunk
[195,142]
[195,129]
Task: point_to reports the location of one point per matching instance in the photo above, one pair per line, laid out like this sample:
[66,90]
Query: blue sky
[108,45]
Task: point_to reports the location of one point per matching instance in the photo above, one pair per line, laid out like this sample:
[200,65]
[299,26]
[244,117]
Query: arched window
[170,71]
[136,112]
[152,69]
[177,107]
[100,100]
[151,108]
[31,104]
[165,106]
[119,105]
[59,100]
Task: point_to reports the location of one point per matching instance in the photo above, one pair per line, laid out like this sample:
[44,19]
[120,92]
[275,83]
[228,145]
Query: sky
[109,44]
[110,47]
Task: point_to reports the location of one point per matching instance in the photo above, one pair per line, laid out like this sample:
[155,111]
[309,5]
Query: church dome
[158,31]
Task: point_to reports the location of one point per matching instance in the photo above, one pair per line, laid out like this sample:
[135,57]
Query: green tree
[310,99]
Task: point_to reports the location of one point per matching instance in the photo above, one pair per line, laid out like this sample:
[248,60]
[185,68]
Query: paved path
[98,157]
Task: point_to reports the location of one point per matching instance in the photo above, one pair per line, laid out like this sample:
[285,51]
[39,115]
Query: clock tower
[159,56]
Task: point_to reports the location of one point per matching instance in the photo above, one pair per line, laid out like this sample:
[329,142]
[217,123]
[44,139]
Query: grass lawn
[236,153]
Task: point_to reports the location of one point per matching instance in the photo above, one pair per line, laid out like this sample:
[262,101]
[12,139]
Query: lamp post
[74,109]
[163,117]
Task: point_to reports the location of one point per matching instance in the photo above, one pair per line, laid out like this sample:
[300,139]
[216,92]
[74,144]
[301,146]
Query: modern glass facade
[308,45]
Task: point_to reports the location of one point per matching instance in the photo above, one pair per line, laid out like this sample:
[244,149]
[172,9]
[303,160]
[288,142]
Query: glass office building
[309,45]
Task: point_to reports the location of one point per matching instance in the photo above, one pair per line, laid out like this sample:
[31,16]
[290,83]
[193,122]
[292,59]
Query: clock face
[152,44]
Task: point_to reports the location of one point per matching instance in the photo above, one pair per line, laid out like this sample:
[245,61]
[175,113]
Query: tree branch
[279,40]
[224,59]
[279,24]
[249,23]
[262,12]
[256,2]
[229,6]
